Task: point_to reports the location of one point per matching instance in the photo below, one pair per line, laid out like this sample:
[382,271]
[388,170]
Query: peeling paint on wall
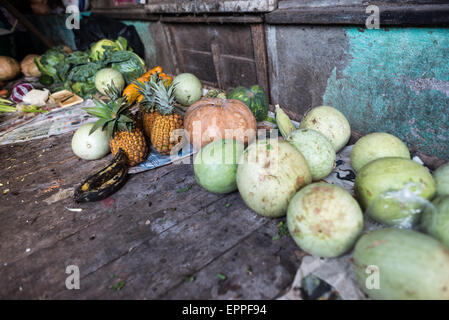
[397,81]
[418,85]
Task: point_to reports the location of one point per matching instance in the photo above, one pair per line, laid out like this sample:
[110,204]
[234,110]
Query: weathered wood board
[147,241]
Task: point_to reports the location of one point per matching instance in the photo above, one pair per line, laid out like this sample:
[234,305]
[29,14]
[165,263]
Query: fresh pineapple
[115,117]
[166,121]
[146,106]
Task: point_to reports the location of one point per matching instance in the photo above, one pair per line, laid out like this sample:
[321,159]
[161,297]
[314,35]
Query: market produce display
[90,146]
[408,265]
[210,119]
[435,220]
[270,173]
[330,122]
[188,89]
[324,219]
[316,149]
[76,71]
[9,68]
[393,190]
[215,166]
[255,98]
[115,117]
[377,145]
[139,108]
[441,176]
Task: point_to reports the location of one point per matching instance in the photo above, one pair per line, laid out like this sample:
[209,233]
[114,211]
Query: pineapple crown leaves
[112,91]
[112,116]
[145,89]
[164,97]
[156,94]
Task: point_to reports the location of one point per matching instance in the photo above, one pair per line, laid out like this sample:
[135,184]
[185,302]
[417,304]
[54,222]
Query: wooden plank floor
[147,241]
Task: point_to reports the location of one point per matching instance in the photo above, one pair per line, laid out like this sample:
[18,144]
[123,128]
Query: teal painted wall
[396,80]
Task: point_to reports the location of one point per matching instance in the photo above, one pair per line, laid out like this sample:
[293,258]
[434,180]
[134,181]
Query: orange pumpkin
[212,118]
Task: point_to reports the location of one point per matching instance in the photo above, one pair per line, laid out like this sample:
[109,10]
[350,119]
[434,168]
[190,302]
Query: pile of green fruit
[76,71]
[282,177]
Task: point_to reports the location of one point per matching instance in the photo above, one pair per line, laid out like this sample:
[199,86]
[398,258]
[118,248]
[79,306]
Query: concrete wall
[394,80]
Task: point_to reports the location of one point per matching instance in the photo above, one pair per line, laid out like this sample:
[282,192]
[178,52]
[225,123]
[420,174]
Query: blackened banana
[105,182]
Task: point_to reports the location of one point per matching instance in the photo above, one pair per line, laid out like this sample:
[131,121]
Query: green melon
[324,219]
[108,77]
[394,190]
[317,150]
[269,174]
[377,145]
[441,176]
[188,89]
[435,220]
[255,98]
[331,123]
[215,165]
[407,264]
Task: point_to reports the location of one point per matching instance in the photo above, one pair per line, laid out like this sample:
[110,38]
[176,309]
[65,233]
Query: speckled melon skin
[390,176]
[331,123]
[410,265]
[269,174]
[375,146]
[317,150]
[324,220]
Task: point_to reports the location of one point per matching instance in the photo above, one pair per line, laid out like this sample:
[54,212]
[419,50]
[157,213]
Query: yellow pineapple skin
[162,131]
[148,118]
[133,144]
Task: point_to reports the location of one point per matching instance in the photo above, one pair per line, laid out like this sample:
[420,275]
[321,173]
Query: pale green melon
[441,176]
[435,220]
[377,145]
[188,88]
[108,77]
[269,174]
[90,146]
[331,123]
[407,264]
[215,165]
[324,219]
[316,148]
[394,190]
